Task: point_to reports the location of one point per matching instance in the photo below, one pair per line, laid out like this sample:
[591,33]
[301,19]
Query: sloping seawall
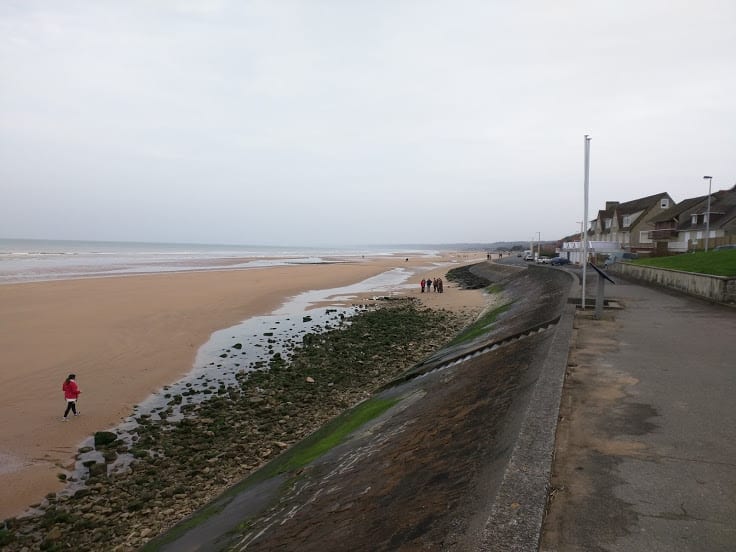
[454,455]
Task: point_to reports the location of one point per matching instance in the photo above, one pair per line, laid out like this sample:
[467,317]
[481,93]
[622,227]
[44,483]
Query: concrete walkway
[646,444]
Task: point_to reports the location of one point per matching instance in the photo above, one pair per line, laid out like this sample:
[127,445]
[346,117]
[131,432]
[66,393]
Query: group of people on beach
[429,283]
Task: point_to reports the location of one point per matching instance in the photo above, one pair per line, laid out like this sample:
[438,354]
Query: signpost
[599,300]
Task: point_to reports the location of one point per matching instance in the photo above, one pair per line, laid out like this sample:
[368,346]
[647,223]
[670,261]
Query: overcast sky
[355,122]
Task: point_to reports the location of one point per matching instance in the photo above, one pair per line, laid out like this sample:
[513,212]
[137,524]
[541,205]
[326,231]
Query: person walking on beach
[429,285]
[422,283]
[71,394]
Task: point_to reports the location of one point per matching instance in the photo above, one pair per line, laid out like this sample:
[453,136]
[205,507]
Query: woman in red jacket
[71,394]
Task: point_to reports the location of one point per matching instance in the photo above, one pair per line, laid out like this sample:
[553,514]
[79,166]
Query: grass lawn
[719,263]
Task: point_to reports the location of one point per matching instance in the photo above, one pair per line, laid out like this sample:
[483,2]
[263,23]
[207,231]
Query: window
[694,218]
[608,224]
[664,203]
[644,237]
[627,220]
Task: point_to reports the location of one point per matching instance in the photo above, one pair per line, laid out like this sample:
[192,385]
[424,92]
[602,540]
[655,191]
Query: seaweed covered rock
[104,438]
[466,278]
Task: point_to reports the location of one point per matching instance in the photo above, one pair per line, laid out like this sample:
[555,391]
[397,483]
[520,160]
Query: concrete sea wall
[459,460]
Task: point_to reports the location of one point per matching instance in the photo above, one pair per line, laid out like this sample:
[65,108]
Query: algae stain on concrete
[329,436]
[481,326]
[271,476]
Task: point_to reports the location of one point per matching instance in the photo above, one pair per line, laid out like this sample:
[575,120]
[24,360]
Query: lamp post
[585,217]
[707,212]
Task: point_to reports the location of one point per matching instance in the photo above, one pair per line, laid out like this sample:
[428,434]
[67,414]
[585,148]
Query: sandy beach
[125,338]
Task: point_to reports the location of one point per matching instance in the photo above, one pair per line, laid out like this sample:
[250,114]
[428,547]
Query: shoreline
[126,338]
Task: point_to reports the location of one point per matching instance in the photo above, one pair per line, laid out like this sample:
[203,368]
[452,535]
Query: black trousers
[70,405]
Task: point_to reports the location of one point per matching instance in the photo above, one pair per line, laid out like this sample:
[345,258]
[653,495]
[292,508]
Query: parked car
[724,247]
[528,257]
[559,261]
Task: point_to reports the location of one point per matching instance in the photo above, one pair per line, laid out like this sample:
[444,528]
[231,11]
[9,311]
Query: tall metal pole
[707,212]
[539,245]
[580,244]
[585,219]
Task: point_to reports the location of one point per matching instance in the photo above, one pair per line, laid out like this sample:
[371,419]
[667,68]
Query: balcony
[663,234]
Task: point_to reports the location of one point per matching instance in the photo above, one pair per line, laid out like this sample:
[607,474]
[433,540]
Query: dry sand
[125,338]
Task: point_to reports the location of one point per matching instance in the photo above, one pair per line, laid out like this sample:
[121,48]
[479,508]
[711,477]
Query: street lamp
[585,216]
[707,212]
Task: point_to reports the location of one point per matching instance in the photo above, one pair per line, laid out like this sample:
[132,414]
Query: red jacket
[70,389]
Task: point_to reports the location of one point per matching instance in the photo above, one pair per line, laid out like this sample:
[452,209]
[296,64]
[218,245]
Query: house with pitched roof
[682,227]
[666,233]
[628,225]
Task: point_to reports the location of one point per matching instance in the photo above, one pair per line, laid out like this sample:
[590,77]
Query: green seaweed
[314,446]
[328,437]
[6,537]
[237,428]
[494,288]
[481,326]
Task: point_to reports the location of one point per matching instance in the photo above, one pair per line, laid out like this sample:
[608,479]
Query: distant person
[423,283]
[71,394]
[440,285]
[429,285]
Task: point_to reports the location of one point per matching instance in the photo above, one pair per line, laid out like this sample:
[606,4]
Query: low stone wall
[714,288]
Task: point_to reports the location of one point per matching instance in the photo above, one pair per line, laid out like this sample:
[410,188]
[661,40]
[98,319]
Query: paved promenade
[646,447]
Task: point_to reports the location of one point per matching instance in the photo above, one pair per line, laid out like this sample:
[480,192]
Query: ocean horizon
[27,260]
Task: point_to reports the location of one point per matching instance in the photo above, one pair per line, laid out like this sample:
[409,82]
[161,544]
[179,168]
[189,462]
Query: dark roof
[571,238]
[675,211]
[722,209]
[602,215]
[642,205]
[636,205]
[726,198]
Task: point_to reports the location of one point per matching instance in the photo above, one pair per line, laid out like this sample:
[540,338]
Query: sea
[28,260]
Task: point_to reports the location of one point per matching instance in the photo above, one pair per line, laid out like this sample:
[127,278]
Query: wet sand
[126,337]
